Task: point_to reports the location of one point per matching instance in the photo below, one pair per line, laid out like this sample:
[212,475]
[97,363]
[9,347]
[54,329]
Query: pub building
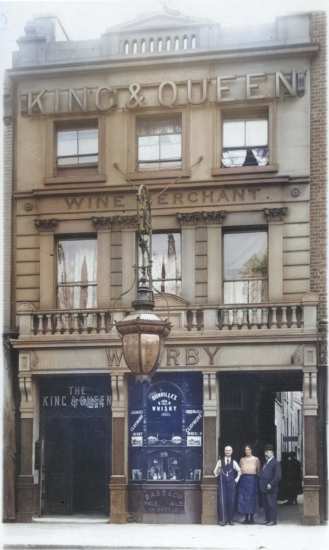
[226,130]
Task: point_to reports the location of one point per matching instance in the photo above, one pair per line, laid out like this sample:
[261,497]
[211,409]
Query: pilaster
[275,219]
[25,476]
[46,230]
[210,429]
[118,484]
[311,439]
[103,228]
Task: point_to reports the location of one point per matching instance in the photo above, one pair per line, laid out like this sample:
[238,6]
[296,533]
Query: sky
[83,19]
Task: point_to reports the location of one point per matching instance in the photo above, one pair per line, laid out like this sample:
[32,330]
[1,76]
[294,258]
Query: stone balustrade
[223,319]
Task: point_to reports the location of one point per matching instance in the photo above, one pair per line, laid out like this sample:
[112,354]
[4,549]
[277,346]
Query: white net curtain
[76,273]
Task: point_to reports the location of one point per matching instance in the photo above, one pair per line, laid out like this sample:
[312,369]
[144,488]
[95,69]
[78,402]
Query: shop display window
[165,428]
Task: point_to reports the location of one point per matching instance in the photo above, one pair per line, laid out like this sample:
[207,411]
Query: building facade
[226,128]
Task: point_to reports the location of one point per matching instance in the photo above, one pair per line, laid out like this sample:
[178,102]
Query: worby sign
[168,93]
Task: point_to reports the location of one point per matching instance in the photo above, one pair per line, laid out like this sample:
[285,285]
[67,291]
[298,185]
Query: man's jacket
[270,474]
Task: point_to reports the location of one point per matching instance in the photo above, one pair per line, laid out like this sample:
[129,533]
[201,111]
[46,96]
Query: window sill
[159,174]
[96,178]
[244,170]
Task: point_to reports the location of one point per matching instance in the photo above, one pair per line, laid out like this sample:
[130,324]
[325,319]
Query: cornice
[121,62]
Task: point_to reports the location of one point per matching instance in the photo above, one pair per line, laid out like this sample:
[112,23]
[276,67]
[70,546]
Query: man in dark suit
[269,478]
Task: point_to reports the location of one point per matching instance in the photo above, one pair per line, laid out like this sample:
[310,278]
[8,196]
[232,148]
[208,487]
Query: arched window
[134,47]
[143,46]
[176,43]
[185,43]
[151,45]
[160,44]
[126,48]
[193,42]
[168,44]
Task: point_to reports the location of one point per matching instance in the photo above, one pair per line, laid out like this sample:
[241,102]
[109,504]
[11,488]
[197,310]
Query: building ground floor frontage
[94,439]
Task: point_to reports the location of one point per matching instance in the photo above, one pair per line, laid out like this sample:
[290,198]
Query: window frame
[244,229]
[132,151]
[84,237]
[79,173]
[179,280]
[239,112]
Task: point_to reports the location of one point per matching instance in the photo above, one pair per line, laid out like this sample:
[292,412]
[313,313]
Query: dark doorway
[247,408]
[75,446]
[76,466]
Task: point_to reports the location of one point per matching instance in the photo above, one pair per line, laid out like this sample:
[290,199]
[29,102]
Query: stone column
[210,433]
[275,219]
[118,484]
[103,228]
[311,439]
[25,466]
[46,229]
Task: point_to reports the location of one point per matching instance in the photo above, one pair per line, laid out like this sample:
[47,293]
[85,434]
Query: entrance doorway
[75,447]
[266,408]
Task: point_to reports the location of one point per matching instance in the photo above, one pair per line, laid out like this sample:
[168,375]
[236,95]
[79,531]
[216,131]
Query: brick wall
[318,151]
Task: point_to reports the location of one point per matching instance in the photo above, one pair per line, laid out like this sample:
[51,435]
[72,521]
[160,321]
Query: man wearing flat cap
[269,478]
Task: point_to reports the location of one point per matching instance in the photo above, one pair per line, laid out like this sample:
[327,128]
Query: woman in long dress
[247,496]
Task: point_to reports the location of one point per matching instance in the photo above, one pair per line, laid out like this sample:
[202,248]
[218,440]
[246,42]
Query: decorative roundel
[295,192]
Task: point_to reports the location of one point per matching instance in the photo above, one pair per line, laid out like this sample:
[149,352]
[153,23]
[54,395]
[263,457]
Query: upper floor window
[245,267]
[76,273]
[166,262]
[77,146]
[245,141]
[159,142]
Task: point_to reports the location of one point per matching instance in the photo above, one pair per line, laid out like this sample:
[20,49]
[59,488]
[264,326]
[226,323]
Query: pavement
[81,533]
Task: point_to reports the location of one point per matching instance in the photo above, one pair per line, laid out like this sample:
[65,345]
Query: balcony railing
[244,318]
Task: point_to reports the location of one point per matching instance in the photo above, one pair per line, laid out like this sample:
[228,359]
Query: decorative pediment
[169,20]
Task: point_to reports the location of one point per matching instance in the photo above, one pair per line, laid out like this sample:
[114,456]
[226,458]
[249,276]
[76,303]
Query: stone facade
[173,69]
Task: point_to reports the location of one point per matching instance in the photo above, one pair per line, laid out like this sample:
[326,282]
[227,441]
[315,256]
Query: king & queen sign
[75,397]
